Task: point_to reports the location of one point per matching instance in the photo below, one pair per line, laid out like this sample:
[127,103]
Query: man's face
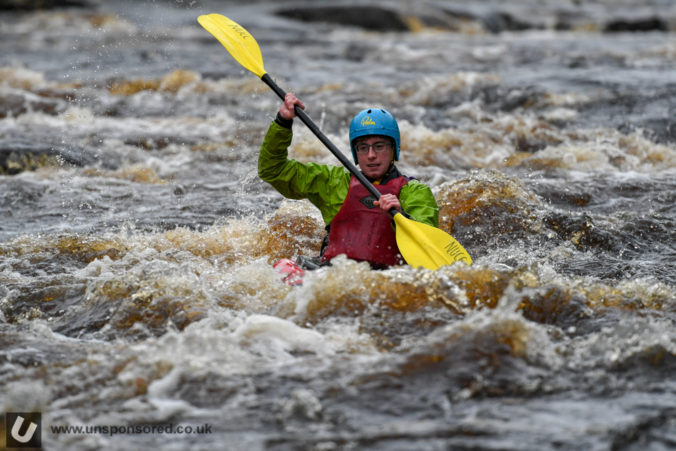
[374,155]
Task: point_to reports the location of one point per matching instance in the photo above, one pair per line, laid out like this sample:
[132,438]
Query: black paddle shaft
[322,137]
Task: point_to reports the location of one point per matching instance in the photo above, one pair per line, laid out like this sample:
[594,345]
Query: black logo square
[368,202]
[23,429]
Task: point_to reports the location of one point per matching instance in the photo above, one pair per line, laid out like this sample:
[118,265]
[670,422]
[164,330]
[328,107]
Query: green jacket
[325,185]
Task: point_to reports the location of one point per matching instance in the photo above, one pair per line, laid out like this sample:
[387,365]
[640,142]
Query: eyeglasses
[378,147]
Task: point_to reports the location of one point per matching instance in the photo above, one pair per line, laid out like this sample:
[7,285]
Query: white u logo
[27,436]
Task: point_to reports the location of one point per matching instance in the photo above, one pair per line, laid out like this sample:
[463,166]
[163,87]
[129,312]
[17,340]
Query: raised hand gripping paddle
[419,244]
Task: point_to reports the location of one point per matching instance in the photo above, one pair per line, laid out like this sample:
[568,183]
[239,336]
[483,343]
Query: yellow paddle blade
[239,42]
[427,246]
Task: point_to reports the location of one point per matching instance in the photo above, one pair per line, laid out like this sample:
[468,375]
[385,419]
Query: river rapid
[136,240]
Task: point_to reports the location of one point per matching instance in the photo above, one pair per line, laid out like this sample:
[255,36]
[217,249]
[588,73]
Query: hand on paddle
[387,202]
[287,110]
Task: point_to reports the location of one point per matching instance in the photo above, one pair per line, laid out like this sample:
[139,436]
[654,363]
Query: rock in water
[19,156]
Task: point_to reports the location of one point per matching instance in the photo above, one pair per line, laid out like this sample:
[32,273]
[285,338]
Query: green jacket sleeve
[324,185]
[418,201]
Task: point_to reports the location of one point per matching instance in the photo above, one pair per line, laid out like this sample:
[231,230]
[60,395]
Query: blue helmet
[374,121]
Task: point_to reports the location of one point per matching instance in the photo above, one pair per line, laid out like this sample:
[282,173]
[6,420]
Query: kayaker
[358,225]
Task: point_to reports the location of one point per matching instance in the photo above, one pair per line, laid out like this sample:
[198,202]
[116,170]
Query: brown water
[136,240]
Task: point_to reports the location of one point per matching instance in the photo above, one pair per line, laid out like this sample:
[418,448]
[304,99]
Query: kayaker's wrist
[282,121]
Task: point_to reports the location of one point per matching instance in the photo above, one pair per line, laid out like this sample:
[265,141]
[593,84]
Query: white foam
[276,335]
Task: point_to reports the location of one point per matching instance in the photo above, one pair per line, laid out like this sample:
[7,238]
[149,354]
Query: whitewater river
[137,296]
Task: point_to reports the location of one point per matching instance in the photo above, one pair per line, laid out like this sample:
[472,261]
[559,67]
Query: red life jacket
[363,231]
